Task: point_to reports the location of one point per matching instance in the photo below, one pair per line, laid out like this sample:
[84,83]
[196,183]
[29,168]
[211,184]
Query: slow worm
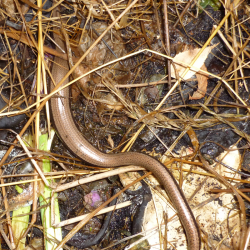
[75,141]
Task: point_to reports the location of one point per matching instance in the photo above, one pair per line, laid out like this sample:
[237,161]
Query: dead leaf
[202,85]
[124,22]
[9,6]
[75,92]
[25,7]
[186,57]
[93,7]
[110,141]
[113,102]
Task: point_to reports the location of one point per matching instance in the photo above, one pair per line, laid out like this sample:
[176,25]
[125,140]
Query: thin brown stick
[23,38]
[97,177]
[167,39]
[183,13]
[5,237]
[228,190]
[81,217]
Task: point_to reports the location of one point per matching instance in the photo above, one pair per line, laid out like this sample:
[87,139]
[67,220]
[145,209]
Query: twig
[228,190]
[167,40]
[5,237]
[182,13]
[97,177]
[79,218]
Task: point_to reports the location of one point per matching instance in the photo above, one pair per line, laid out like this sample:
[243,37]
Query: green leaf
[18,189]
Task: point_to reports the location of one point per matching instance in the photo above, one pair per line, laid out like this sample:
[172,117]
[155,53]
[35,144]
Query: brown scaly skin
[70,135]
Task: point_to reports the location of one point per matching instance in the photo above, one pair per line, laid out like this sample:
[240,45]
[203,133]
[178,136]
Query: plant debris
[169,79]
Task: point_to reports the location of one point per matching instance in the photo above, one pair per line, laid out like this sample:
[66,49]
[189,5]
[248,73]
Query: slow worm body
[75,141]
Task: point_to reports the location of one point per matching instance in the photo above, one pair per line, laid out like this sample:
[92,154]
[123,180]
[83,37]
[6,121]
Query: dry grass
[134,15]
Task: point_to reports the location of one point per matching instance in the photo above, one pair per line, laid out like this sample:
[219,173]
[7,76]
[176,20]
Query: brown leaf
[9,6]
[110,141]
[187,57]
[202,85]
[75,92]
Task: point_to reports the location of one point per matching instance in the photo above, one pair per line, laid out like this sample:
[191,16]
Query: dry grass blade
[44,100]
[103,211]
[97,177]
[33,161]
[55,91]
[116,96]
[236,192]
[83,222]
[5,237]
[240,133]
